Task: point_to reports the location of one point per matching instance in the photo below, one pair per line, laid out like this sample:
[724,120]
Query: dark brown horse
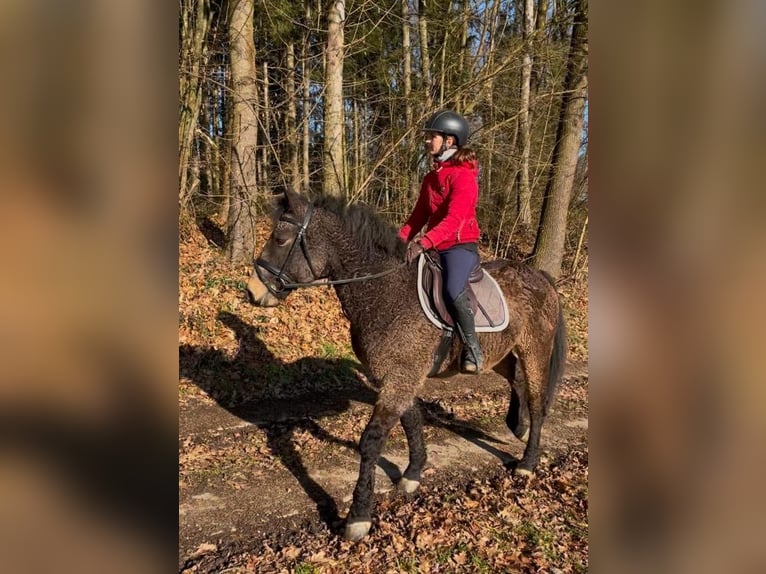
[324,240]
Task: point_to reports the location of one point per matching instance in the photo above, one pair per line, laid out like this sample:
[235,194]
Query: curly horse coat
[326,240]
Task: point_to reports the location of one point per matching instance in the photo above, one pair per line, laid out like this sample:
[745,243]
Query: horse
[350,247]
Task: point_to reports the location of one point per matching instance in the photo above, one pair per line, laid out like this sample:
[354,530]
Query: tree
[243,133]
[463,54]
[410,146]
[305,98]
[425,58]
[525,193]
[195,23]
[333,151]
[549,246]
[292,115]
[468,55]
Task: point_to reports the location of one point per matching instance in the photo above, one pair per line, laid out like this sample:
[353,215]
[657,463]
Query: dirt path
[275,466]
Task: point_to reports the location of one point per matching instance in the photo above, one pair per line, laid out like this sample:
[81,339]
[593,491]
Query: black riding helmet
[449,123]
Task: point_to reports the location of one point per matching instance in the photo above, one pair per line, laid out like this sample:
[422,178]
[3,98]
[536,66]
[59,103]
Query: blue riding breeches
[457,264]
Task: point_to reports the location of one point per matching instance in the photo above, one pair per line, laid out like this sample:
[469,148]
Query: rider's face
[434,141]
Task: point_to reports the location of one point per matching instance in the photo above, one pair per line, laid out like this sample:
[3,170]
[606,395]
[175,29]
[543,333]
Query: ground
[272,404]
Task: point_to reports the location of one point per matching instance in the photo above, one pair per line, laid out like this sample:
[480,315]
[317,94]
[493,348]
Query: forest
[329,97]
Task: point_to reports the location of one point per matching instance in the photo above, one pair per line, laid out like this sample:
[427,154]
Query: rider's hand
[414,248]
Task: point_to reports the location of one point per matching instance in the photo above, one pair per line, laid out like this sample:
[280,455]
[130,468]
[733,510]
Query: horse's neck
[349,261]
[361,297]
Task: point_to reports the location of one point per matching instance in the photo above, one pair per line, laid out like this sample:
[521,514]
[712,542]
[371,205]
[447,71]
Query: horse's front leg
[412,422]
[385,415]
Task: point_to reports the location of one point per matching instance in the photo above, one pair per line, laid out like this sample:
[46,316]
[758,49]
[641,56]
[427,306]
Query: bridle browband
[284,282]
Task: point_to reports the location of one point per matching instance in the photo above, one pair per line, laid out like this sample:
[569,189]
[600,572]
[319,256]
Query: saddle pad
[490,311]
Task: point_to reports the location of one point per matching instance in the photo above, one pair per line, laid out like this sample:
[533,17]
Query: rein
[284,281]
[321,283]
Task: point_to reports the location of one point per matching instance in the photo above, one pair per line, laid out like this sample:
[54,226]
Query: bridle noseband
[284,282]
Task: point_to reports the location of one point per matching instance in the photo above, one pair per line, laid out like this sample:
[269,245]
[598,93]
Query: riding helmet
[449,123]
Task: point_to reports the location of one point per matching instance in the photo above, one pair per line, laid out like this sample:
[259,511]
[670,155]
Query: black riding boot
[472,359]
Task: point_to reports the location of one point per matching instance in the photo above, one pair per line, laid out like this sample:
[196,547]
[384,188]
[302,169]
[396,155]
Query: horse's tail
[558,354]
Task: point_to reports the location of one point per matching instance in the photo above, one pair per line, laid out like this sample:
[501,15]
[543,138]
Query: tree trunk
[243,131]
[266,115]
[559,20]
[576,259]
[306,102]
[407,63]
[292,116]
[225,186]
[363,142]
[409,147]
[542,15]
[209,153]
[333,155]
[425,58]
[224,147]
[463,57]
[194,29]
[549,247]
[356,124]
[538,65]
[484,61]
[443,70]
[525,193]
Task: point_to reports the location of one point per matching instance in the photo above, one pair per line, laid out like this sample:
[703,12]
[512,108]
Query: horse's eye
[282,242]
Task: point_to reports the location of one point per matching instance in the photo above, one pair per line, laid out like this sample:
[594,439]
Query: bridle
[284,282]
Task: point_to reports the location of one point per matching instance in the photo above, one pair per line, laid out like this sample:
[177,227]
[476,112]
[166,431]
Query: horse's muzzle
[260,295]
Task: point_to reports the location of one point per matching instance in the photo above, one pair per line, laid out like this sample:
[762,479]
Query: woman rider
[447,207]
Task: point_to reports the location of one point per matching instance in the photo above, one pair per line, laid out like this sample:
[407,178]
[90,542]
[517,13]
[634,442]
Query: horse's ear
[287,199]
[282,197]
[292,198]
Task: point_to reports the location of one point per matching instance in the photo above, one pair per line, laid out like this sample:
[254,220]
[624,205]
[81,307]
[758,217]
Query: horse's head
[286,260]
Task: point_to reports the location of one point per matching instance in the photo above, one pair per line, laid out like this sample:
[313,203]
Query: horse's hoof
[525,436]
[408,486]
[522,472]
[355,531]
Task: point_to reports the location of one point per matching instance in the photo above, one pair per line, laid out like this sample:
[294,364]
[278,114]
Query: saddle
[487,301]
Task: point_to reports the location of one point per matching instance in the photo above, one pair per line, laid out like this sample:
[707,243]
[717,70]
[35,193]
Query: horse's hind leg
[535,367]
[412,422]
[517,418]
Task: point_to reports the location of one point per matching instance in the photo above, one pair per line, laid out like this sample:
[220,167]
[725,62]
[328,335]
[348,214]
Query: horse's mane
[373,233]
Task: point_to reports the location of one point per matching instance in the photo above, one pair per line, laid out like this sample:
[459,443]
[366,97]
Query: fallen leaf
[204,548]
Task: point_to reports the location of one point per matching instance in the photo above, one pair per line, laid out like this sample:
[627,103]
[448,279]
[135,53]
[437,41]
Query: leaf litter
[457,522]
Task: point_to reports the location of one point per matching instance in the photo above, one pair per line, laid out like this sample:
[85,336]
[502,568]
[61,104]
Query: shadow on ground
[214,234]
[281,398]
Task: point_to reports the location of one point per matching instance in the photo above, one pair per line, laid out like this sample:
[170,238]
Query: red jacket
[447,203]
